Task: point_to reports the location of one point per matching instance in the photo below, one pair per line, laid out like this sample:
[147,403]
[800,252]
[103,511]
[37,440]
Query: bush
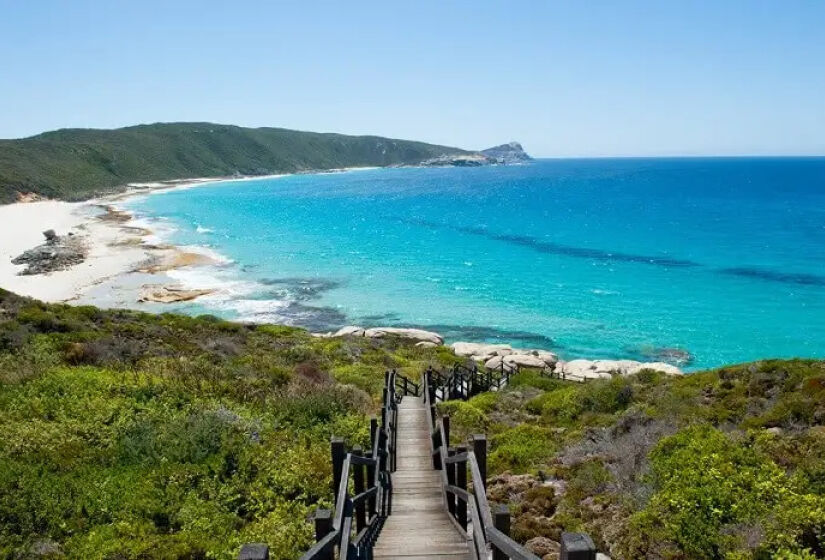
[520,448]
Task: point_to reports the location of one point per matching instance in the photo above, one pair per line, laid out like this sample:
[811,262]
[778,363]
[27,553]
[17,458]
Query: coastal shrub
[362,376]
[522,447]
[466,418]
[485,402]
[706,485]
[561,405]
[534,378]
[131,435]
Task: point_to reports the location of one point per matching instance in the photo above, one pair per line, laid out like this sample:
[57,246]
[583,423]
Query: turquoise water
[723,258]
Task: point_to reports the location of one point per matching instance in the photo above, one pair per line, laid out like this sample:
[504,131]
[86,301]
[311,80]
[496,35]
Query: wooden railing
[463,382]
[486,530]
[355,524]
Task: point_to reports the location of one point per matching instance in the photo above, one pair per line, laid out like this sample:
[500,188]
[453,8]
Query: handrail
[478,527]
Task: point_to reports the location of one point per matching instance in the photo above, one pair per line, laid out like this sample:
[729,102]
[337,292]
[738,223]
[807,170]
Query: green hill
[77,163]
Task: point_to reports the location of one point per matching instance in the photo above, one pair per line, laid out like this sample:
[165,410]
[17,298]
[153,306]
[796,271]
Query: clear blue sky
[572,78]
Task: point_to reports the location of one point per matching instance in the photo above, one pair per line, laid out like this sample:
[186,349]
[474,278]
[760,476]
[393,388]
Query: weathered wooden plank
[419,528]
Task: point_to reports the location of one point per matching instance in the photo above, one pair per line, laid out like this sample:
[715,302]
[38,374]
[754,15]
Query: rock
[508,487]
[458,160]
[579,370]
[45,547]
[178,259]
[507,154]
[524,360]
[426,344]
[548,358]
[169,294]
[350,330]
[656,366]
[414,334]
[602,556]
[480,352]
[494,362]
[541,546]
[57,253]
[775,431]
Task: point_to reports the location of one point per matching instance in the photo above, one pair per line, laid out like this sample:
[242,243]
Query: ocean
[721,259]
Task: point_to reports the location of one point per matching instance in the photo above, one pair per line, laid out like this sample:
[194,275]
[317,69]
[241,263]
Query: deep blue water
[724,258]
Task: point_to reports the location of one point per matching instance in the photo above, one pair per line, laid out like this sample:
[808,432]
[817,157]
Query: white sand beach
[116,246]
[112,249]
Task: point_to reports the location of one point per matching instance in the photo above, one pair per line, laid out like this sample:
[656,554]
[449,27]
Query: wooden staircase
[419,527]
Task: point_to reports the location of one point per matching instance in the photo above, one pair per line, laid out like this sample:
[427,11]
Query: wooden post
[323,527]
[373,432]
[451,481]
[577,546]
[371,469]
[461,482]
[437,447]
[338,455]
[446,421]
[254,551]
[359,486]
[480,451]
[501,521]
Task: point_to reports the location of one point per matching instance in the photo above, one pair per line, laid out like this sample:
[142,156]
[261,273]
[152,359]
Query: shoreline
[118,244]
[128,264]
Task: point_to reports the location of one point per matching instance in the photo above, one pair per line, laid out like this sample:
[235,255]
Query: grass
[75,164]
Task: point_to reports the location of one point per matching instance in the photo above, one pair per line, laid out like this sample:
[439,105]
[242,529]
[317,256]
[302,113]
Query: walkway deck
[419,528]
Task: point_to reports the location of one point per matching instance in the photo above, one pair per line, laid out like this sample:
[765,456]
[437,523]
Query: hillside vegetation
[725,464]
[135,436]
[77,163]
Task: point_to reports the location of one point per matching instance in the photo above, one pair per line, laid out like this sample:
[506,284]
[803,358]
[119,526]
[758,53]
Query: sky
[566,79]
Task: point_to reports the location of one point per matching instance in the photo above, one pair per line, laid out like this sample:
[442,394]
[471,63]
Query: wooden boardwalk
[419,527]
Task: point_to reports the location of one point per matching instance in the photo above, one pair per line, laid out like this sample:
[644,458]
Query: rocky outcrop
[169,294]
[424,338]
[494,355]
[581,370]
[414,334]
[57,253]
[457,160]
[507,154]
[350,330]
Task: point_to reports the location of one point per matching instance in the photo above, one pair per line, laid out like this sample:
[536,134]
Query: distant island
[76,164]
